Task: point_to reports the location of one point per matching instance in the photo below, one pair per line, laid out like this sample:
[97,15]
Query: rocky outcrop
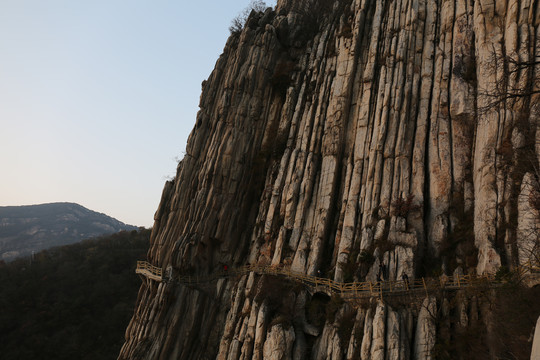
[357,138]
[426,330]
[279,343]
[528,221]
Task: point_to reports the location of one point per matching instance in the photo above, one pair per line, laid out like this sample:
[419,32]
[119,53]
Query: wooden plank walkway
[345,290]
[150,271]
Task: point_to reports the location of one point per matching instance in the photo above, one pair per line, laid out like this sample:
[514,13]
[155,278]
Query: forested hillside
[32,228]
[71,302]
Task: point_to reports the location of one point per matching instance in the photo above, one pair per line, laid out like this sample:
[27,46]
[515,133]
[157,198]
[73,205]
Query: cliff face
[335,138]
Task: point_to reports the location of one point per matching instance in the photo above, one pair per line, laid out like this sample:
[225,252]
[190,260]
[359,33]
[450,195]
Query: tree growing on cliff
[516,88]
[508,89]
[237,24]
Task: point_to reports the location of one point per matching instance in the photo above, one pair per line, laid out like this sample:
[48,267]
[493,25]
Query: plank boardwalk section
[150,271]
[345,290]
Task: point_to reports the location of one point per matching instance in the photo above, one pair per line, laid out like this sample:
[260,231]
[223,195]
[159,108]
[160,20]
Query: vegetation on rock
[239,21]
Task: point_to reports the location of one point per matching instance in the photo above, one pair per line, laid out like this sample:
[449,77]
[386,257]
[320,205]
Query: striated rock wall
[338,137]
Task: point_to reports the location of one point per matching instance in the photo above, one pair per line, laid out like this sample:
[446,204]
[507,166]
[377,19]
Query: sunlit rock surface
[337,139]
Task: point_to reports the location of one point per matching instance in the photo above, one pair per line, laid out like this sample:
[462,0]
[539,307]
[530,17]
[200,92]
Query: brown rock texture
[337,136]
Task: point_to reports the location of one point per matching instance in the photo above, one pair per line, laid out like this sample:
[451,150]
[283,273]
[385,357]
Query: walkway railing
[149,270]
[345,290]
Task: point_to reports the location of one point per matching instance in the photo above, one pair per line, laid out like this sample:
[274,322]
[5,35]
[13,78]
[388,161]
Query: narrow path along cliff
[348,291]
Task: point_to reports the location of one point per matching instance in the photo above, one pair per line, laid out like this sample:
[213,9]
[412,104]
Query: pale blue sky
[97,97]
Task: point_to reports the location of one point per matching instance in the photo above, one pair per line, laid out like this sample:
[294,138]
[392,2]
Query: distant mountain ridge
[24,229]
